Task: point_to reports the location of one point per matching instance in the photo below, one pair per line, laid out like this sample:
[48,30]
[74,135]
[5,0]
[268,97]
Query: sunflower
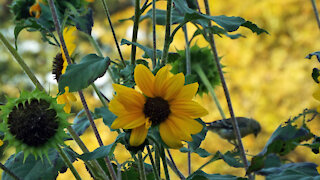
[33,123]
[60,65]
[36,9]
[165,103]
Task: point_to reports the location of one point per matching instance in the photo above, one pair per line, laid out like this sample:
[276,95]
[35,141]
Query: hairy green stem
[226,92]
[68,162]
[208,85]
[21,62]
[154,35]
[173,166]
[188,57]
[135,30]
[167,40]
[8,171]
[154,167]
[164,163]
[113,33]
[142,171]
[315,10]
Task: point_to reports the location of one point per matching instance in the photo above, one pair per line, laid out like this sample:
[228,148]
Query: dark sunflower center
[34,123]
[157,109]
[57,66]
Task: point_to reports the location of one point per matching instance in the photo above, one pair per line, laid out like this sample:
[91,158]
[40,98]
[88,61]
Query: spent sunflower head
[60,65]
[33,123]
[166,102]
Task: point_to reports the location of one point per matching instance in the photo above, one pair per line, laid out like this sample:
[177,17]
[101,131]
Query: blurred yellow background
[268,77]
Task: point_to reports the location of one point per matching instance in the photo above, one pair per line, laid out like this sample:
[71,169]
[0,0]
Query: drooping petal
[187,124]
[129,98]
[138,135]
[188,91]
[182,134]
[188,108]
[144,79]
[160,81]
[69,38]
[174,86]
[69,95]
[168,136]
[129,121]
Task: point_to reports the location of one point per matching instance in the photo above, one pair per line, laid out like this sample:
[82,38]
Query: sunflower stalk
[135,31]
[68,162]
[104,3]
[167,40]
[85,106]
[206,82]
[164,163]
[154,35]
[6,170]
[227,95]
[315,10]
[173,166]
[142,171]
[21,62]
[154,167]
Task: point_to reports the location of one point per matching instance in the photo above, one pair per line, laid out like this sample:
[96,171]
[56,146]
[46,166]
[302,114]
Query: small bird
[225,130]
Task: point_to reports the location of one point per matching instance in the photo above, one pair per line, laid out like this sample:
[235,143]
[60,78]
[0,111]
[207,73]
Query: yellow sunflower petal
[144,79]
[174,86]
[188,91]
[129,121]
[189,125]
[67,107]
[187,108]
[168,136]
[131,99]
[1,142]
[179,132]
[69,38]
[116,107]
[69,95]
[138,135]
[160,80]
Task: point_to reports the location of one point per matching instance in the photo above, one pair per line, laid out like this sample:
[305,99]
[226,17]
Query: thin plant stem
[189,161]
[135,30]
[100,96]
[154,167]
[68,162]
[188,57]
[167,40]
[157,159]
[141,167]
[174,167]
[226,92]
[21,62]
[315,10]
[8,171]
[154,35]
[164,163]
[113,33]
[208,85]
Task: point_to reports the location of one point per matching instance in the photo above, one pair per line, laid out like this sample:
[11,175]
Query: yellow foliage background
[267,75]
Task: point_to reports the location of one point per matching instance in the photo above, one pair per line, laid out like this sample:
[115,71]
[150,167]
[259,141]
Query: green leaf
[108,116]
[201,152]
[317,54]
[84,23]
[161,16]
[198,138]
[37,168]
[230,158]
[216,30]
[29,23]
[80,76]
[102,151]
[303,170]
[254,28]
[200,175]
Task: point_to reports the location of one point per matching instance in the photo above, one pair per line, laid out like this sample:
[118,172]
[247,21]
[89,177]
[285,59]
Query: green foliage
[84,22]
[108,117]
[198,138]
[317,54]
[81,122]
[200,175]
[202,57]
[80,76]
[38,168]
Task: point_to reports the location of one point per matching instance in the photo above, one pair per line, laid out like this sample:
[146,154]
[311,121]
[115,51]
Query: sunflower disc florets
[33,123]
